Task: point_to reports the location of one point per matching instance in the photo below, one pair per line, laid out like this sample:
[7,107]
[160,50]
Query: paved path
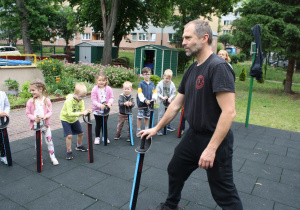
[266,167]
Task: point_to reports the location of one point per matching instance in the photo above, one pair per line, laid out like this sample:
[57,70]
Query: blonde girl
[100,95]
[224,54]
[40,108]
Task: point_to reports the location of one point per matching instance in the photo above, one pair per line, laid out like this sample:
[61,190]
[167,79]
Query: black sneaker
[117,137]
[69,156]
[170,128]
[81,148]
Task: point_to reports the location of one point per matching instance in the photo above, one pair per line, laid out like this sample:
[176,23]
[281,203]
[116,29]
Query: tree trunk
[109,23]
[289,76]
[24,26]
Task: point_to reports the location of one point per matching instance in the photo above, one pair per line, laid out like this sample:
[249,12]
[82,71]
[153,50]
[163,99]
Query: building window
[153,37]
[143,37]
[227,22]
[86,36]
[133,37]
[171,37]
[226,31]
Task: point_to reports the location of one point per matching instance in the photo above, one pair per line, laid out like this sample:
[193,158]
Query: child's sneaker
[117,137]
[128,140]
[53,159]
[69,156]
[182,132]
[81,148]
[4,160]
[97,140]
[138,135]
[170,128]
[159,133]
[107,140]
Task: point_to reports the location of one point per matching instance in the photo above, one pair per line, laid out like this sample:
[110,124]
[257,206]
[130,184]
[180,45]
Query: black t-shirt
[199,86]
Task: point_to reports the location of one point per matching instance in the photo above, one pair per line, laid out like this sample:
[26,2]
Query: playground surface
[266,170]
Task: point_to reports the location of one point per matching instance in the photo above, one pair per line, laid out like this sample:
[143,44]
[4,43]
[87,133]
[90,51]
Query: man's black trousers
[220,176]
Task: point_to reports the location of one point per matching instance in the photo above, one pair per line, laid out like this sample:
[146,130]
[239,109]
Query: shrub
[234,58]
[155,79]
[219,47]
[25,90]
[65,85]
[242,57]
[243,75]
[51,68]
[183,60]
[117,75]
[11,84]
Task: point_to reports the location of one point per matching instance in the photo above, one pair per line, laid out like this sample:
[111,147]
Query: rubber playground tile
[262,170]
[295,136]
[254,202]
[279,206]
[101,205]
[244,182]
[28,189]
[10,174]
[198,191]
[284,162]
[18,146]
[150,198]
[272,148]
[157,160]
[8,204]
[278,133]
[64,198]
[287,143]
[100,160]
[199,174]
[113,191]
[282,193]
[243,143]
[160,145]
[194,206]
[155,179]
[120,168]
[251,154]
[80,178]
[293,153]
[126,152]
[25,157]
[260,138]
[290,178]
[237,163]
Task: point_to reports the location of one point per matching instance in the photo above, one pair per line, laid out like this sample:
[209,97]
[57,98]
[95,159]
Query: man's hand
[207,158]
[4,114]
[148,133]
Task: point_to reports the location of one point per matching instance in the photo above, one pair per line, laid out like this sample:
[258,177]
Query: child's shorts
[71,128]
[143,113]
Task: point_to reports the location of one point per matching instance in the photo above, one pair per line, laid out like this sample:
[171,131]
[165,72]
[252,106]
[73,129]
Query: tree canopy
[225,39]
[280,23]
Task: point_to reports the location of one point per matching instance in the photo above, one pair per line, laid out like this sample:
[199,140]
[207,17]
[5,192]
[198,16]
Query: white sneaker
[107,140]
[97,140]
[53,159]
[4,160]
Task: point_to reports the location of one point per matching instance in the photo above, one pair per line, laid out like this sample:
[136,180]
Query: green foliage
[118,75]
[51,68]
[183,60]
[225,39]
[235,58]
[263,76]
[219,47]
[65,85]
[25,90]
[11,83]
[243,75]
[155,79]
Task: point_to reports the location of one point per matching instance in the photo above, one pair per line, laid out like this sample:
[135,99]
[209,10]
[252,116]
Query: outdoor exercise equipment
[38,144]
[180,123]
[141,150]
[104,116]
[3,130]
[166,104]
[128,111]
[87,120]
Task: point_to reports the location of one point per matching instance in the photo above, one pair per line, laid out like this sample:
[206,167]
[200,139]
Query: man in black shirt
[207,91]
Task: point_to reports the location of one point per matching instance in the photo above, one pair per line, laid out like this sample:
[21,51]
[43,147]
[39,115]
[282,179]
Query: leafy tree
[280,24]
[225,39]
[131,14]
[66,29]
[32,20]
[190,10]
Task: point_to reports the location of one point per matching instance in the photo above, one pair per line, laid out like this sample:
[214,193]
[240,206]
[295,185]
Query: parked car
[283,63]
[7,50]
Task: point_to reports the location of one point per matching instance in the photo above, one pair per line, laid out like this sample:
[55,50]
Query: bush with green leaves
[243,75]
[183,60]
[24,93]
[234,58]
[155,79]
[51,68]
[65,85]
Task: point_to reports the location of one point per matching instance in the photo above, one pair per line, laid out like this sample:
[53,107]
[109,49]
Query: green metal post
[250,89]
[54,50]
[41,46]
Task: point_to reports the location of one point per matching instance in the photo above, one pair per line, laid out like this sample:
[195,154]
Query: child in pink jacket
[39,110]
[101,94]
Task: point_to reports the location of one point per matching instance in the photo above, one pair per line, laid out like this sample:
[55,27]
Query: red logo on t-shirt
[200,82]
